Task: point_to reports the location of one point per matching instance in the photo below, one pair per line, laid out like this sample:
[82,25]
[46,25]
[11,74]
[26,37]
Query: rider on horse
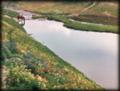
[21,19]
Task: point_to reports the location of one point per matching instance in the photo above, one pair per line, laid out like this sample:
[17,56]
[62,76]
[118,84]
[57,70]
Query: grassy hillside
[30,65]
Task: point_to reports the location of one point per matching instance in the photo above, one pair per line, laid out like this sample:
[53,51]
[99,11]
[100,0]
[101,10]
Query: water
[95,54]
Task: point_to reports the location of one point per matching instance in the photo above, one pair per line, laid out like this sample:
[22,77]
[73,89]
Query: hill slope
[30,65]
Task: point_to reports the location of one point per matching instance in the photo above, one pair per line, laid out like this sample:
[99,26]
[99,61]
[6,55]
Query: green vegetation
[100,19]
[36,17]
[30,65]
[83,26]
[9,13]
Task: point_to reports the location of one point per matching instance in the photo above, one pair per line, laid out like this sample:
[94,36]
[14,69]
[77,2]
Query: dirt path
[90,6]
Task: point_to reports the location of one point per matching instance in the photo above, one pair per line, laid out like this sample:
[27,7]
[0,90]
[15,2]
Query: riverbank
[29,64]
[87,26]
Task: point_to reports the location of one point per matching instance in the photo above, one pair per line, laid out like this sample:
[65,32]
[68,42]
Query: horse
[21,19]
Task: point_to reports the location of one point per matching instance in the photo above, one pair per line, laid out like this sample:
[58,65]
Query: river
[93,53]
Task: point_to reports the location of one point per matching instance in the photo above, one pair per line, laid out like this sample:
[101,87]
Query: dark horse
[21,19]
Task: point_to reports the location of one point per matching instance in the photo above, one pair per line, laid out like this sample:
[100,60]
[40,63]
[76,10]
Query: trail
[90,6]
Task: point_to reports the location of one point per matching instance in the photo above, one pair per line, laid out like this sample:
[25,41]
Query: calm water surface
[95,54]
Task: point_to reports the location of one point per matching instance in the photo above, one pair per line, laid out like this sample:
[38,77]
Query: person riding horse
[21,19]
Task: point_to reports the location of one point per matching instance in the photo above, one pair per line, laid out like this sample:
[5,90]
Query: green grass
[28,64]
[99,19]
[36,17]
[81,26]
[92,27]
[9,13]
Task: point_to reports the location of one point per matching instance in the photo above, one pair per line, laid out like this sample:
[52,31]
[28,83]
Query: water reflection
[93,53]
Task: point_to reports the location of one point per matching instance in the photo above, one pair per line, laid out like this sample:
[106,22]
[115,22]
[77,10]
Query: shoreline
[49,55]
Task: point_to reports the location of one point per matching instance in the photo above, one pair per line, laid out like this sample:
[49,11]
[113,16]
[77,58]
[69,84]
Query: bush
[19,77]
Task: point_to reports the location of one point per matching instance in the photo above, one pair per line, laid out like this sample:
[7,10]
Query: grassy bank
[30,65]
[99,19]
[9,13]
[83,26]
